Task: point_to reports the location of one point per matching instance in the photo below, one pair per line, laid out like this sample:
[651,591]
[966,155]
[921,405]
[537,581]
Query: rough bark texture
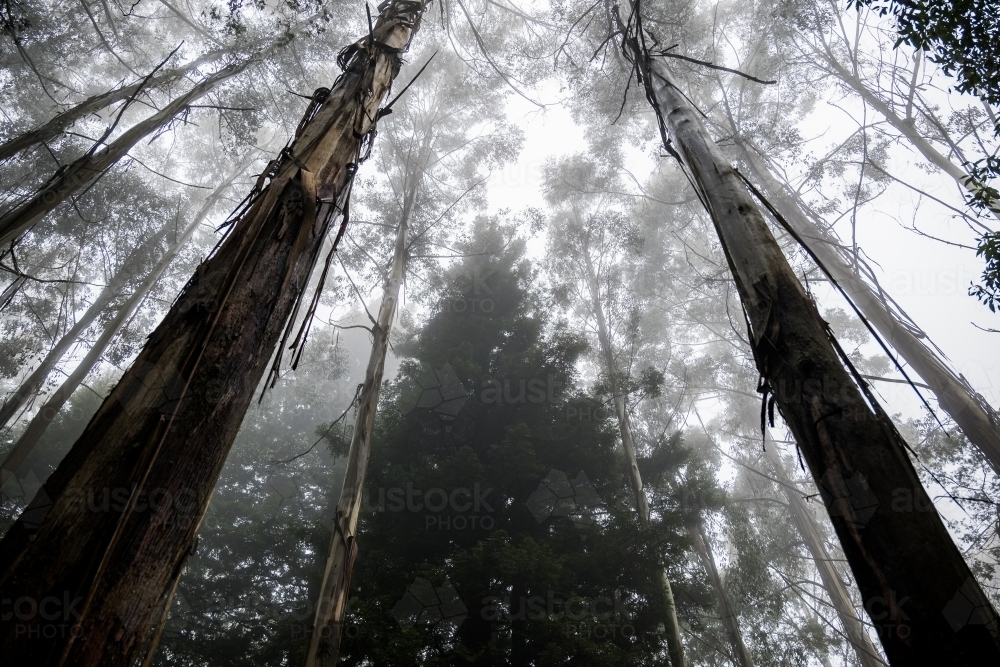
[36,427]
[675,646]
[328,623]
[157,444]
[978,420]
[805,523]
[69,180]
[730,619]
[888,527]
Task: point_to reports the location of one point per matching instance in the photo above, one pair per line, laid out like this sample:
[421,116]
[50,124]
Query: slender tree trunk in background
[906,128]
[33,383]
[804,521]
[11,290]
[854,452]
[69,180]
[162,435]
[675,646]
[36,427]
[61,122]
[331,608]
[730,619]
[978,420]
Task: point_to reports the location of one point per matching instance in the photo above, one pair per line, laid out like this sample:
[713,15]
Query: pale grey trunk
[977,419]
[36,427]
[91,166]
[675,645]
[730,619]
[854,452]
[58,125]
[805,522]
[907,129]
[33,383]
[328,623]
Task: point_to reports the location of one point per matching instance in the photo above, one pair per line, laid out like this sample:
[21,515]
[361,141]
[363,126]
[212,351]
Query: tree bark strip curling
[856,456]
[162,435]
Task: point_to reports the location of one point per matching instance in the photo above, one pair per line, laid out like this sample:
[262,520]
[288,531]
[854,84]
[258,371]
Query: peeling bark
[36,427]
[853,450]
[328,623]
[978,420]
[160,439]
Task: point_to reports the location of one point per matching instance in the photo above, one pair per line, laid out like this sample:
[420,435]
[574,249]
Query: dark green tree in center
[498,529]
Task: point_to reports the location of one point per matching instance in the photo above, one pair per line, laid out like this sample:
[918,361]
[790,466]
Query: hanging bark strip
[36,427]
[675,646]
[978,420]
[159,440]
[328,623]
[803,519]
[891,534]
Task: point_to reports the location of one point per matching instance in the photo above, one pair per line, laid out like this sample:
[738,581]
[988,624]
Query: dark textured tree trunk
[32,384]
[36,427]
[675,645]
[158,442]
[978,420]
[74,177]
[805,523]
[891,534]
[730,619]
[331,608]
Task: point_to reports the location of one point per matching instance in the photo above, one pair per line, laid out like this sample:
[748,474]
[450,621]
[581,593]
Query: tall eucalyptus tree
[166,428]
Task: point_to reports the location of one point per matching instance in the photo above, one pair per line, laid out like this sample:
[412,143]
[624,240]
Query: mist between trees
[320,344]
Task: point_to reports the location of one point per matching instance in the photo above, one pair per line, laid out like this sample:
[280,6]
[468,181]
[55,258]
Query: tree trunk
[33,383]
[331,608]
[730,619]
[58,125]
[907,129]
[804,521]
[891,533]
[977,419]
[675,646]
[158,442]
[40,422]
[91,166]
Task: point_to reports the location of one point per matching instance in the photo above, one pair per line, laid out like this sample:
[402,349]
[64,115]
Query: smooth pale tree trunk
[906,128]
[978,420]
[858,459]
[36,427]
[675,646]
[61,122]
[804,521]
[161,437]
[331,608]
[86,169]
[730,619]
[32,384]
